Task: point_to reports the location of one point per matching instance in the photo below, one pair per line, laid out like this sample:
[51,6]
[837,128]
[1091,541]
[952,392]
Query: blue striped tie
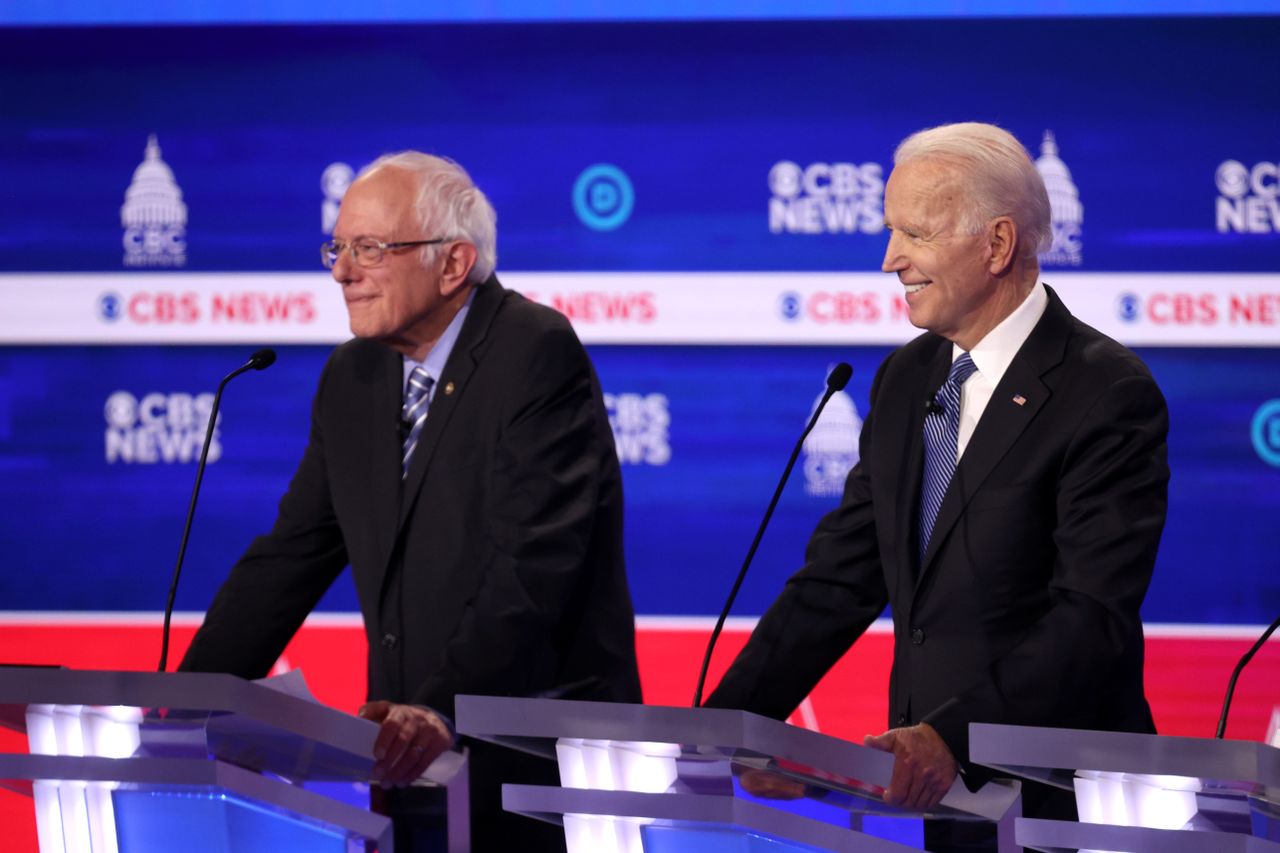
[414,412]
[941,437]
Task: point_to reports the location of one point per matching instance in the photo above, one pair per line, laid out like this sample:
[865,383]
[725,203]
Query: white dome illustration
[836,432]
[1064,199]
[153,197]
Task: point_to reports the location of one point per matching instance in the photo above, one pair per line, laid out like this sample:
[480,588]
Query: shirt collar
[439,354]
[996,350]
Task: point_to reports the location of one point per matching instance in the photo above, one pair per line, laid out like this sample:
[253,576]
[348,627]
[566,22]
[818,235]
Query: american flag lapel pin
[1019,399]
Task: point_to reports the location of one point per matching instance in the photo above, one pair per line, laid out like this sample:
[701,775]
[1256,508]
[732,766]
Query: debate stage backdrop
[704,199]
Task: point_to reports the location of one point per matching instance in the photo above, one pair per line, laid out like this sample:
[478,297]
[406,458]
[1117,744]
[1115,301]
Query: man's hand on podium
[923,766]
[771,786]
[410,739]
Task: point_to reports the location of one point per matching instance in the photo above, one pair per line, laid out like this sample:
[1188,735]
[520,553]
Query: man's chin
[917,317]
[363,328]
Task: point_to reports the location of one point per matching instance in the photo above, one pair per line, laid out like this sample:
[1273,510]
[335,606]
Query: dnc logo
[603,197]
[1266,432]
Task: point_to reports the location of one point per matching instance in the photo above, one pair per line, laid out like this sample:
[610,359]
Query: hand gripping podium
[122,762]
[1138,792]
[662,780]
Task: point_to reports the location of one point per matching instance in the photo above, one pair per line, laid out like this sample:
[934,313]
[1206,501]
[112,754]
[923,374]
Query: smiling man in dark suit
[461,461]
[1015,574]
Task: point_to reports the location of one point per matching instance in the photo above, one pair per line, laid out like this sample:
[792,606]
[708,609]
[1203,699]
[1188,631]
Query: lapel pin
[1019,399]
[448,388]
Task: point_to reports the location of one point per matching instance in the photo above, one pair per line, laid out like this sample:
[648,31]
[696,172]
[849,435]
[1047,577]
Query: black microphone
[932,406]
[260,360]
[1235,673]
[835,382]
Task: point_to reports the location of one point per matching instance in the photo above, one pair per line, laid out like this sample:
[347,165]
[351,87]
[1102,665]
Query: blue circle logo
[1130,307]
[790,305]
[603,197]
[1266,432]
[110,306]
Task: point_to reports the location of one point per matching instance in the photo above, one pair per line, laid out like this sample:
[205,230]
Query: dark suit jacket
[1025,610]
[496,568]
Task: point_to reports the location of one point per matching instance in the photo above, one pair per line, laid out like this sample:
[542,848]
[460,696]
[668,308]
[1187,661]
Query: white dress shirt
[992,356]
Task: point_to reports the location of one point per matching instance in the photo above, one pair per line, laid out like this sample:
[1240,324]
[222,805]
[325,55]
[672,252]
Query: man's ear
[458,259]
[1003,237]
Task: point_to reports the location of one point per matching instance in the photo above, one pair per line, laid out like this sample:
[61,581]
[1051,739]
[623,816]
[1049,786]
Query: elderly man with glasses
[461,462]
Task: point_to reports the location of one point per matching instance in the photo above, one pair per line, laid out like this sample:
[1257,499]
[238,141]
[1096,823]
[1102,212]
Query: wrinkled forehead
[381,203]
[394,188]
[927,188]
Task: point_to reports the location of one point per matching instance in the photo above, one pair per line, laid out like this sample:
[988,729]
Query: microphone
[260,360]
[835,382]
[931,405]
[1235,673]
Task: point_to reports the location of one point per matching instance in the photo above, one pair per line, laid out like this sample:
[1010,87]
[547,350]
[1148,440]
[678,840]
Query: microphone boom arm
[836,381]
[260,360]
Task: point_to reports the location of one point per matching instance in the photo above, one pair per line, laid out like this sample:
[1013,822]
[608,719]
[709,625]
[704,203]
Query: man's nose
[345,268]
[893,258]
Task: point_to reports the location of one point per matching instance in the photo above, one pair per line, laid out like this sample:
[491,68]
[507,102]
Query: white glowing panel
[71,815]
[612,765]
[1135,799]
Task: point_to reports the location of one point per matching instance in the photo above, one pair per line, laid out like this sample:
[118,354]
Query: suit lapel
[1003,421]
[384,448]
[450,388]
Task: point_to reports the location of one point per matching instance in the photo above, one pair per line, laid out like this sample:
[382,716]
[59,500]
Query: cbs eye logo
[121,410]
[110,306]
[790,305]
[603,197]
[1129,307]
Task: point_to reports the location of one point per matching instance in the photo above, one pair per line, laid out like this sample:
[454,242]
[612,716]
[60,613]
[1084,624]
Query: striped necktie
[417,395]
[941,438]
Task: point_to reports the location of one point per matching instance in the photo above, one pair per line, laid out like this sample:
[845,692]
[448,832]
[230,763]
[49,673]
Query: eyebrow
[905,227]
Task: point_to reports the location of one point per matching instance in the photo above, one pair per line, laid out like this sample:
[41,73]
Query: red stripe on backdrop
[1187,672]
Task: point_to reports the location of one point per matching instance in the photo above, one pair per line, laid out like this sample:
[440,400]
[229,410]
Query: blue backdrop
[695,113]
[720,130]
[83,532]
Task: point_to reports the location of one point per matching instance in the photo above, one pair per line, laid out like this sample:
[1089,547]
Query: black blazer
[495,568]
[1025,610]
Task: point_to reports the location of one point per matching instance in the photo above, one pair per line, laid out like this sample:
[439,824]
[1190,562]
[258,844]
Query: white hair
[998,173]
[449,205]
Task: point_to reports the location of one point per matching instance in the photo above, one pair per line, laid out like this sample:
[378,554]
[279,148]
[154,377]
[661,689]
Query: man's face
[949,290]
[396,301]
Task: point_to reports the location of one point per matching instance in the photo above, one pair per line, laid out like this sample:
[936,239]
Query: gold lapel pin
[448,388]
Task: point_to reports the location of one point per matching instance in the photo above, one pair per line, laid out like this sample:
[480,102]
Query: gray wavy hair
[998,173]
[449,205]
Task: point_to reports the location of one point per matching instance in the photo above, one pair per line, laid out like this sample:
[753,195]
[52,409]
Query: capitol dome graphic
[1066,211]
[832,448]
[153,215]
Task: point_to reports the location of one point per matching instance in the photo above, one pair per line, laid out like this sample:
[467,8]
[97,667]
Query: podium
[666,780]
[1139,792]
[123,762]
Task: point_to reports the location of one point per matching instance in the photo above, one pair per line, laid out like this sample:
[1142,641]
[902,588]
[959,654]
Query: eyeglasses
[367,251]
